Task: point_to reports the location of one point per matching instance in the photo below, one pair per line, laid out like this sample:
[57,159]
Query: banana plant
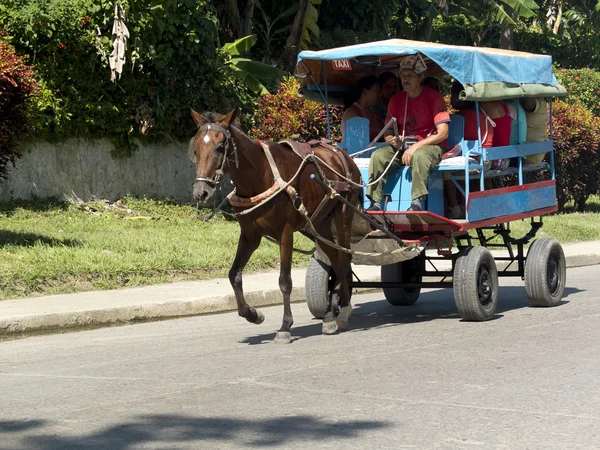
[252,73]
[498,9]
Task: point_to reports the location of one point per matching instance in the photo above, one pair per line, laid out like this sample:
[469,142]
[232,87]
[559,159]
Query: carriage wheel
[403,271]
[545,272]
[320,280]
[475,284]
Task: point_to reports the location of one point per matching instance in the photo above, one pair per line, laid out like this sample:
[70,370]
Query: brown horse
[220,147]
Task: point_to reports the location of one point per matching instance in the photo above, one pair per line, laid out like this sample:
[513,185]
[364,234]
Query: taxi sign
[342,64]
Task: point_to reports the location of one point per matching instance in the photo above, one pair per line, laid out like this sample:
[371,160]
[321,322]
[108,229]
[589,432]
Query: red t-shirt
[503,128]
[423,113]
[470,133]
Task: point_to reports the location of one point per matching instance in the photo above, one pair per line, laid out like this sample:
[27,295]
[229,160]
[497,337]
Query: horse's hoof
[260,318]
[330,327]
[283,337]
[343,317]
[342,324]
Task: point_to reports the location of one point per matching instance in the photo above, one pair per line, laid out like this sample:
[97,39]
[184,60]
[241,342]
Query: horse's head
[210,149]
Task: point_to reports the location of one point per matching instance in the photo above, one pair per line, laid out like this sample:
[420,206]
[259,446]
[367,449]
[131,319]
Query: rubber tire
[544,288]
[317,287]
[403,271]
[473,267]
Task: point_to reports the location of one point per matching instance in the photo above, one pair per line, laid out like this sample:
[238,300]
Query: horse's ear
[198,118]
[229,118]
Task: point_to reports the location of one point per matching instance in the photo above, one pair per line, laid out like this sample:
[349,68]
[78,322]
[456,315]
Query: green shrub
[172,61]
[576,136]
[281,115]
[583,86]
[16,86]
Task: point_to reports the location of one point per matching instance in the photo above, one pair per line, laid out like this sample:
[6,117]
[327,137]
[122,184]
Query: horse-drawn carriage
[285,187]
[407,244]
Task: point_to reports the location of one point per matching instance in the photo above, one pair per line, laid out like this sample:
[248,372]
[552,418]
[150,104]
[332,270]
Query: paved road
[414,377]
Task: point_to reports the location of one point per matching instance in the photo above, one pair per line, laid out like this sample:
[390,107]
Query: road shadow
[8,426]
[173,431]
[433,305]
[31,239]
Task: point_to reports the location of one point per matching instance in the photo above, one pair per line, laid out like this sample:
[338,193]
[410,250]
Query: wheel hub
[552,275]
[484,286]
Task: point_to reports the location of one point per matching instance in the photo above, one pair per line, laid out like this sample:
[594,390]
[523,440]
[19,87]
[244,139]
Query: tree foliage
[173,61]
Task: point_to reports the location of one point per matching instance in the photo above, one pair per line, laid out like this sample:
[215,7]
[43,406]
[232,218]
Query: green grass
[59,247]
[56,247]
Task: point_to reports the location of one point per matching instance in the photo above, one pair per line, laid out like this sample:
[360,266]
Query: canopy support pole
[324,66]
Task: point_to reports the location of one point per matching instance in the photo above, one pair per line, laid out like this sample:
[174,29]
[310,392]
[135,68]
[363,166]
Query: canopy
[486,73]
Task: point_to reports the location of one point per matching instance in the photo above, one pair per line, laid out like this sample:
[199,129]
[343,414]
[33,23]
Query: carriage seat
[356,137]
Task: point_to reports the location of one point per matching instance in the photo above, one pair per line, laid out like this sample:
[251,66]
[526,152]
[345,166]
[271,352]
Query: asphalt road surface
[401,377]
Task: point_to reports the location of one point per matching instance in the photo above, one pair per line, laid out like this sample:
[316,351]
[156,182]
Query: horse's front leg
[246,246]
[286,245]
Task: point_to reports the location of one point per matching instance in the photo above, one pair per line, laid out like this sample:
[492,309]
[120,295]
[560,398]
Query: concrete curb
[99,316]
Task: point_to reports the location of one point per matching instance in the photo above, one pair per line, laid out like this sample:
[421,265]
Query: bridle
[229,148]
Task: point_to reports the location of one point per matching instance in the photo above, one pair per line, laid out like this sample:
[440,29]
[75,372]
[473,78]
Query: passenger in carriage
[536,113]
[502,120]
[365,96]
[390,85]
[421,112]
[468,111]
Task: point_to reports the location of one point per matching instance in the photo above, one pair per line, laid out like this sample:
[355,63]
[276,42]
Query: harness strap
[278,179]
[243,202]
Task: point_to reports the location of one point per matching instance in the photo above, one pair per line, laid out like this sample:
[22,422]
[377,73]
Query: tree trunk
[507,35]
[248,15]
[292,44]
[558,18]
[233,14]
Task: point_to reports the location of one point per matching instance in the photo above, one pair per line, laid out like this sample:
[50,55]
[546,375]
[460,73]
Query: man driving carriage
[421,113]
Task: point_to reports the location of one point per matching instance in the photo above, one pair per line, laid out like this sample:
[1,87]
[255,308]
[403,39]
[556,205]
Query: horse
[274,196]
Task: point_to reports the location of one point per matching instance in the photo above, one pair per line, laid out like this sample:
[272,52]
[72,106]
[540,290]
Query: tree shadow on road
[433,305]
[7,426]
[30,239]
[170,431]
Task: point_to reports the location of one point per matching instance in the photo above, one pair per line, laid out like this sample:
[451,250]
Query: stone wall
[83,169]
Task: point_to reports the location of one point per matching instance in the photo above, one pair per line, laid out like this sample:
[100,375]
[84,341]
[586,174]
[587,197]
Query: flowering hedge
[583,86]
[16,84]
[284,114]
[577,153]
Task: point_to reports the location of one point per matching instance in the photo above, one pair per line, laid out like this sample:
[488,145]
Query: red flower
[576,78]
[85,20]
[62,46]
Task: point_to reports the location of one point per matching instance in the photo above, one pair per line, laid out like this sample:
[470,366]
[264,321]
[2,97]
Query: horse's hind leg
[329,321]
[246,246]
[286,245]
[343,222]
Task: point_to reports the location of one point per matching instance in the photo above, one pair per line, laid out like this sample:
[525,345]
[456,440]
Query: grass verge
[55,247]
